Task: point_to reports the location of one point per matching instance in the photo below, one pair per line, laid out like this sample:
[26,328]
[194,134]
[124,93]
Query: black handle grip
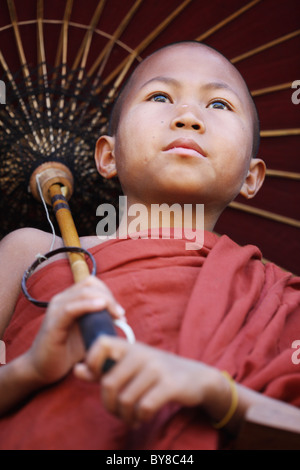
[94,324]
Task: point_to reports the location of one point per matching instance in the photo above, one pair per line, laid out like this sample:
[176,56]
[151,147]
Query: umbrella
[62,64]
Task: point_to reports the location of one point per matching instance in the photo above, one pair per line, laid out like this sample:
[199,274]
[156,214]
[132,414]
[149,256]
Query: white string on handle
[47,214]
[123,325]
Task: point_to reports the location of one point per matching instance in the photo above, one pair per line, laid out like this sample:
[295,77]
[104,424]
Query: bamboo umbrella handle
[92,325]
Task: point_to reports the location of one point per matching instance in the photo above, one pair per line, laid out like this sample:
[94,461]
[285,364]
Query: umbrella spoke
[266,46]
[27,117]
[283,174]
[271,89]
[25,69]
[42,72]
[104,55]
[279,132]
[266,214]
[227,20]
[86,43]
[153,35]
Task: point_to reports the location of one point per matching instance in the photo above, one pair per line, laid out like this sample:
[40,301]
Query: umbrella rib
[271,89]
[21,101]
[227,20]
[61,53]
[105,55]
[15,89]
[6,124]
[26,73]
[264,213]
[61,62]
[265,46]
[118,80]
[279,132]
[82,54]
[43,68]
[283,174]
[13,117]
[86,43]
[147,41]
[13,16]
[120,29]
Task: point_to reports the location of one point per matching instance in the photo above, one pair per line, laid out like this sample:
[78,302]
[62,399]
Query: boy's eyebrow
[167,80]
[220,85]
[207,86]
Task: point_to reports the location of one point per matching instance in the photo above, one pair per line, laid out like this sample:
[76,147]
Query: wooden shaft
[68,231]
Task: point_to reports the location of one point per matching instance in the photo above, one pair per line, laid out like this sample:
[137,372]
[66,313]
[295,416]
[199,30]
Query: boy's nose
[188,119]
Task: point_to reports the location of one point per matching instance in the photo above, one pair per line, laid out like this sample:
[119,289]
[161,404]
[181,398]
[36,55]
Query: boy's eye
[219,104]
[160,98]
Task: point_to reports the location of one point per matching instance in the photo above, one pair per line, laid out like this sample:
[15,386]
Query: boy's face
[185,133]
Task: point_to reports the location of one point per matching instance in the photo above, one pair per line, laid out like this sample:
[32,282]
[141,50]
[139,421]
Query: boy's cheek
[234,143]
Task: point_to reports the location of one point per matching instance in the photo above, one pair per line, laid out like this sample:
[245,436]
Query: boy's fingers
[95,288]
[151,402]
[103,348]
[128,399]
[90,295]
[120,377]
[81,371]
[115,309]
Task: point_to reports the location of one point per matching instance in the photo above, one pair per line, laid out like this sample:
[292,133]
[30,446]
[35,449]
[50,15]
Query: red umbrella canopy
[99,42]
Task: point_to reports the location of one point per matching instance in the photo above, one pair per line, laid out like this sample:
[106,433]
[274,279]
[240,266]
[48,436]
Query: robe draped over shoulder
[219,304]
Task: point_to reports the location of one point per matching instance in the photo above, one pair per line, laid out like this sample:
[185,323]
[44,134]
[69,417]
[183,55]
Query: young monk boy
[184,131]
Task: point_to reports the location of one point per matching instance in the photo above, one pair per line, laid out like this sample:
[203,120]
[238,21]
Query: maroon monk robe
[219,305]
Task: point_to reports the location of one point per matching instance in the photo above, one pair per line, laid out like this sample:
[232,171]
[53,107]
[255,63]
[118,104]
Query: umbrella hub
[50,173]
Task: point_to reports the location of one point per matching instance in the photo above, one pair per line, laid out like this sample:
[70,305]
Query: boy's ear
[254,179]
[105,156]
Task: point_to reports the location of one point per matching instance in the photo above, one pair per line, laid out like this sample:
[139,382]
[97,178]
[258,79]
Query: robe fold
[218,304]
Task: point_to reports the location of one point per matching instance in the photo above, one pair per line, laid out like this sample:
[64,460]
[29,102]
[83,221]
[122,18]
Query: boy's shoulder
[19,249]
[22,246]
[27,241]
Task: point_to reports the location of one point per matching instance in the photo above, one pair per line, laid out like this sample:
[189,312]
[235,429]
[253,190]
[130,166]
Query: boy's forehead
[201,62]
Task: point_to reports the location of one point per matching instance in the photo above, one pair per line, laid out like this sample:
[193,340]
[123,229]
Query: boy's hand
[144,378]
[58,345]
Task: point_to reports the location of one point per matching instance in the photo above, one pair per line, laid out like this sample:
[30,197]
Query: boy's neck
[137,216]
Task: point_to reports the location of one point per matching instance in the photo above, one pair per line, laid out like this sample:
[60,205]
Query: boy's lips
[185,147]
